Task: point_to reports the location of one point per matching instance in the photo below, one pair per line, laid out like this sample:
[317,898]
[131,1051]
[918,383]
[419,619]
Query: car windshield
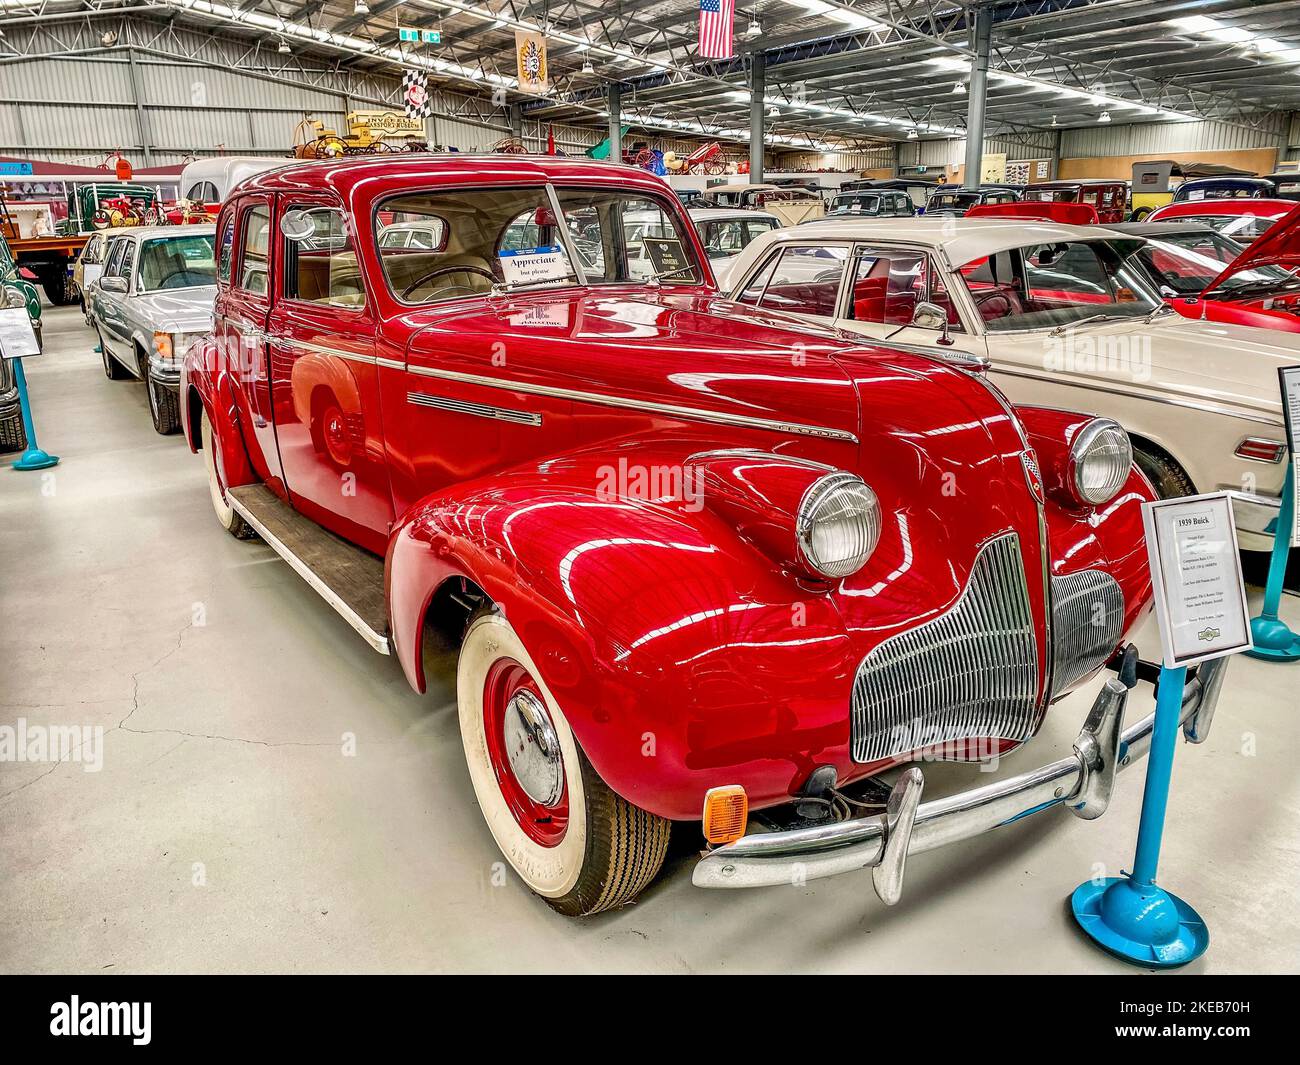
[1240,227]
[512,237]
[187,261]
[855,203]
[960,200]
[1060,283]
[1184,263]
[727,236]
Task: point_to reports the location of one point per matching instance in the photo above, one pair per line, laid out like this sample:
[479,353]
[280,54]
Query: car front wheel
[569,837]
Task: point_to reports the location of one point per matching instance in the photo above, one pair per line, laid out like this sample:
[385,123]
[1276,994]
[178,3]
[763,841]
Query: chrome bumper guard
[1082,781]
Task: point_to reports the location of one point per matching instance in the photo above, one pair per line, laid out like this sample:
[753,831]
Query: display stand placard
[1201,606]
[17,337]
[1196,576]
[1290,378]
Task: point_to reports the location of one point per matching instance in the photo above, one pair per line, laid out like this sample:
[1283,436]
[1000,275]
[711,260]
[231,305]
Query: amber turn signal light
[726,809]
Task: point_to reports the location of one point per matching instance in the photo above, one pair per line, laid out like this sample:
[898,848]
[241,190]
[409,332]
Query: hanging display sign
[384,123]
[1290,378]
[530,61]
[1196,575]
[417,36]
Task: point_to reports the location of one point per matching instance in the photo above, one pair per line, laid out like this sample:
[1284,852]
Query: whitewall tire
[568,836]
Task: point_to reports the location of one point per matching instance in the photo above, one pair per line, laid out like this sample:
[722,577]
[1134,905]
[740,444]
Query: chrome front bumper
[1254,513]
[165,371]
[1082,782]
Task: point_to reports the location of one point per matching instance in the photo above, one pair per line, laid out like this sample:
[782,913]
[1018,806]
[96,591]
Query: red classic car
[1206,275]
[703,560]
[1242,220]
[1108,198]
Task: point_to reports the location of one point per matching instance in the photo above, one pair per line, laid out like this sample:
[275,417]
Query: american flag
[716,17]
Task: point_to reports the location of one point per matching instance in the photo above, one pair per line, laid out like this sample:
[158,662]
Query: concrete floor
[228,832]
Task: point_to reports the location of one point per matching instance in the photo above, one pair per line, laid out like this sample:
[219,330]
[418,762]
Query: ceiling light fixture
[587,68]
[1104,117]
[958,89]
[360,8]
[283,47]
[754,29]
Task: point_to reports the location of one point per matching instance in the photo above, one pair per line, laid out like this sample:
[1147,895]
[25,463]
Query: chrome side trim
[963,360]
[322,349]
[378,641]
[1088,611]
[691,413]
[1208,408]
[480,410]
[970,673]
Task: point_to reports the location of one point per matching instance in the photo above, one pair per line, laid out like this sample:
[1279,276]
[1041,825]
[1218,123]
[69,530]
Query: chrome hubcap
[533,749]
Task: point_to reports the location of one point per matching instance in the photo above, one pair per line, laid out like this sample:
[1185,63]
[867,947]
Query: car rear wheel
[1168,478]
[226,514]
[569,837]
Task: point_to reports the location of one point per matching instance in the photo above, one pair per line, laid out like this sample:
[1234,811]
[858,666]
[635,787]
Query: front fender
[680,654]
[208,385]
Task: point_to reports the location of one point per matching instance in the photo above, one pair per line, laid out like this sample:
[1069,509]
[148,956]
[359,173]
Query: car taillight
[1258,449]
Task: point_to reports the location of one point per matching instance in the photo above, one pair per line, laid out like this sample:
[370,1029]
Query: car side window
[254,250]
[93,247]
[724,238]
[223,250]
[113,257]
[888,284]
[806,280]
[323,268]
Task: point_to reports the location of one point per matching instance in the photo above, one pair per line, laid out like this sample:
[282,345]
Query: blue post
[1130,916]
[1272,636]
[33,458]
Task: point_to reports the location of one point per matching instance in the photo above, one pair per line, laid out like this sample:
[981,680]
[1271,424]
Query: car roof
[718,214]
[962,239]
[149,232]
[1235,205]
[413,169]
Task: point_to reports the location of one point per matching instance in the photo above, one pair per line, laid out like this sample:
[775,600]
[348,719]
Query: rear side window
[254,249]
[322,268]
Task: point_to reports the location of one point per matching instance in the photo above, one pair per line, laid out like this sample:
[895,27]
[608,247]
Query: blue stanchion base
[1142,924]
[1274,639]
[99,350]
[35,459]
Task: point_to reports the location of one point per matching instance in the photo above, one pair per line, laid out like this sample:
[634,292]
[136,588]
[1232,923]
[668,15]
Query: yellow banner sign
[384,123]
[530,58]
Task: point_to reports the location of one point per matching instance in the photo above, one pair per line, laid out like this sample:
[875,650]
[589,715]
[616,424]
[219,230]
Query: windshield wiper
[1084,321]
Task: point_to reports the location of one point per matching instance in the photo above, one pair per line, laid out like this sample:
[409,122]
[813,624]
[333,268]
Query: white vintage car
[727,231]
[1061,318]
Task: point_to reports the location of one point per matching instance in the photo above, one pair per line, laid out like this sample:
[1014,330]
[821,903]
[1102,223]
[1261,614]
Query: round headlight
[1100,458]
[14,297]
[838,524]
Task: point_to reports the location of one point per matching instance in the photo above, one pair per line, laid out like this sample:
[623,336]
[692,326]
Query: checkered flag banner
[415,94]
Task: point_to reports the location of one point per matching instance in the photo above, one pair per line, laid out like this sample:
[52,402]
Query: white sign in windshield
[532,265]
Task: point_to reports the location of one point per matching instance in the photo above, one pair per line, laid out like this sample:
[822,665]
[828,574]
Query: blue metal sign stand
[1130,916]
[33,458]
[1273,637]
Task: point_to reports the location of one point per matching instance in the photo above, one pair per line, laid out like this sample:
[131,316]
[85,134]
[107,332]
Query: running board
[349,579]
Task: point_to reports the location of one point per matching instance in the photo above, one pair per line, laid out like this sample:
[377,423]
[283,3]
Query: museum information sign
[1196,576]
[17,338]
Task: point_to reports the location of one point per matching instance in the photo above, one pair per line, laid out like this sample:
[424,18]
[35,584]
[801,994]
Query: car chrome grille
[970,673]
[1087,622]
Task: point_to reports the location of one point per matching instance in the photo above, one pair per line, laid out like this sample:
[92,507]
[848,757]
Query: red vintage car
[703,561]
[1108,198]
[1206,275]
[1242,220]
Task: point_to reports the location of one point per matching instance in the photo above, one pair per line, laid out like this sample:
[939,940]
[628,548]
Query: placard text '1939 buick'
[708,560]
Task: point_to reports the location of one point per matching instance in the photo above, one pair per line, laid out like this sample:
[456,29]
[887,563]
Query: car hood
[1279,245]
[1220,364]
[177,310]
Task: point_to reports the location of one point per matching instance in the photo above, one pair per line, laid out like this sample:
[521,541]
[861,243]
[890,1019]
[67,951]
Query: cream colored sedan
[1063,319]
